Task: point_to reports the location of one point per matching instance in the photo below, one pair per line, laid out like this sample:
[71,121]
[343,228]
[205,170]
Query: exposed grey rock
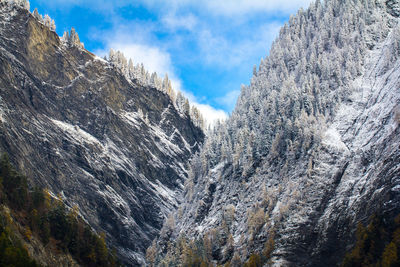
[393,7]
[76,125]
[327,158]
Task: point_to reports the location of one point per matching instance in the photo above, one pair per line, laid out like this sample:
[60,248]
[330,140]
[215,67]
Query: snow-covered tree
[301,78]
[37,15]
[71,38]
[138,73]
[49,22]
[46,20]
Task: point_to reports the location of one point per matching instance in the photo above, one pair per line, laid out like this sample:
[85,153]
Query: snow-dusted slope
[367,124]
[113,147]
[311,149]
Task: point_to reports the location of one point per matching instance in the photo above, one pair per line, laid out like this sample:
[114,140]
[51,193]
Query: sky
[207,47]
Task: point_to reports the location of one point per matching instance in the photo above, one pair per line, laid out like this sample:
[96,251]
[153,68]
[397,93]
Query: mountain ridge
[309,151]
[78,126]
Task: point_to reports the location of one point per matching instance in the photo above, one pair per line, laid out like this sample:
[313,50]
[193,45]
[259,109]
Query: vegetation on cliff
[378,244]
[35,213]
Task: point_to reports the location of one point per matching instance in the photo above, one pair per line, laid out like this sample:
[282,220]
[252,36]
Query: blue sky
[207,47]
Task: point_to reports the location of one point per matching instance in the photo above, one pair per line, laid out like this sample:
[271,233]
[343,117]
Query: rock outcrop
[113,147]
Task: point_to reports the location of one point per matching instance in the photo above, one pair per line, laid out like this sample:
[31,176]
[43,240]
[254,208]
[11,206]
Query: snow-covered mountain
[311,149]
[113,145]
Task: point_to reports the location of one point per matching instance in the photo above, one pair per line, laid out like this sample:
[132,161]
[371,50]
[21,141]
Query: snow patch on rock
[333,139]
[76,133]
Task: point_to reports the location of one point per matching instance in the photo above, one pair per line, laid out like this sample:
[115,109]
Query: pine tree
[37,15]
[389,257]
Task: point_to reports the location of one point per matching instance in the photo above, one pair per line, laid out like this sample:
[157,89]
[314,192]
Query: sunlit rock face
[79,127]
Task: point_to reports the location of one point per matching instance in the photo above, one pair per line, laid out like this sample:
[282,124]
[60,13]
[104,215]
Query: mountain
[105,142]
[310,151]
[305,172]
[37,229]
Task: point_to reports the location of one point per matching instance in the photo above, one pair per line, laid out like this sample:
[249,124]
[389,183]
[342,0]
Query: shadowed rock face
[76,125]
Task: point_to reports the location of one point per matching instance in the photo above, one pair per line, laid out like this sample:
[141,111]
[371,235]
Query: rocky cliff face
[311,149]
[113,147]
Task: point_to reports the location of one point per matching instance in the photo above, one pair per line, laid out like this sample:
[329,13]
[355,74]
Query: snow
[165,144]
[361,123]
[28,132]
[372,100]
[218,168]
[53,195]
[396,188]
[100,59]
[187,146]
[76,133]
[11,12]
[3,110]
[165,192]
[132,118]
[329,182]
[332,138]
[2,116]
[382,92]
[155,161]
[116,201]
[117,157]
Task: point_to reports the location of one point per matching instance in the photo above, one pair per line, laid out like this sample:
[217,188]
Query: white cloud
[210,114]
[159,61]
[139,48]
[102,5]
[242,7]
[174,22]
[222,8]
[229,99]
[218,48]
[224,36]
[233,7]
[153,59]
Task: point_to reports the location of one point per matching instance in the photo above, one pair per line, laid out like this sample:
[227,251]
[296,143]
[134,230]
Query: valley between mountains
[304,172]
